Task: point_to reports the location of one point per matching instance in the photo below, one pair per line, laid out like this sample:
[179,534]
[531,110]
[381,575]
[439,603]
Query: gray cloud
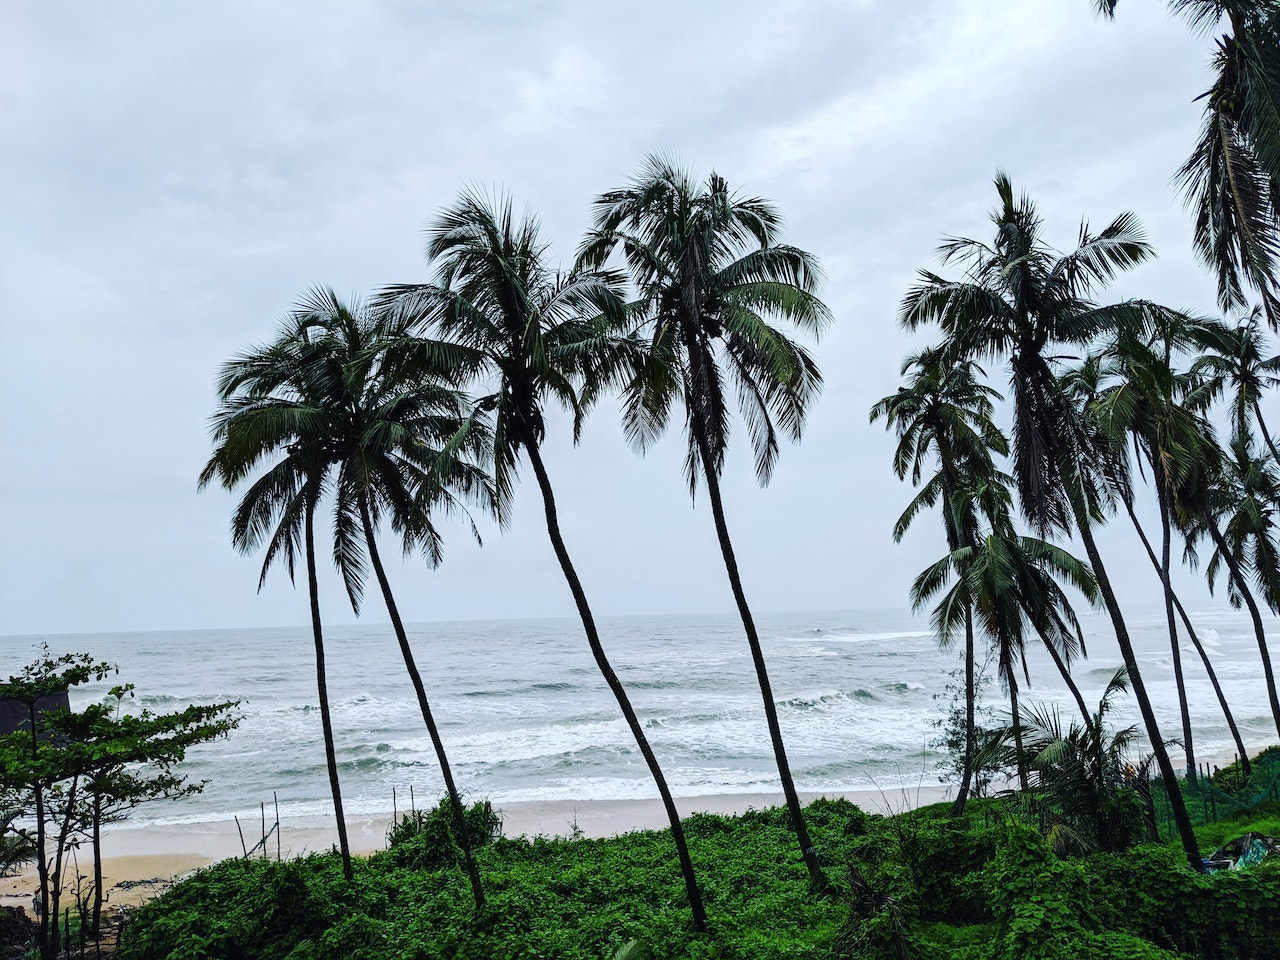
[178,174]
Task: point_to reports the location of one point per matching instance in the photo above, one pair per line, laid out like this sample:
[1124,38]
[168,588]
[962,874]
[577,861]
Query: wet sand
[141,862]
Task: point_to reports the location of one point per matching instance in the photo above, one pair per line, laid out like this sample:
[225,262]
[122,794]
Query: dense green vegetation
[920,884]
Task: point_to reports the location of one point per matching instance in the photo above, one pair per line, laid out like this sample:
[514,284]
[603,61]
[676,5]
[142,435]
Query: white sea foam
[858,694]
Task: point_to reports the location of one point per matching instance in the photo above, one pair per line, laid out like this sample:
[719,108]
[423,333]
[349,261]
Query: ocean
[525,715]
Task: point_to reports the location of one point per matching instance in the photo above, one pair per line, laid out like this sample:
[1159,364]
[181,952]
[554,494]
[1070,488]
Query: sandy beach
[141,862]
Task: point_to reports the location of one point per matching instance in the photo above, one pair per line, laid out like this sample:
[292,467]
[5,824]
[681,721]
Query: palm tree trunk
[1017,734]
[322,691]
[1166,535]
[1180,818]
[1266,435]
[1065,672]
[615,685]
[1195,642]
[816,876]
[1258,630]
[970,735]
[459,814]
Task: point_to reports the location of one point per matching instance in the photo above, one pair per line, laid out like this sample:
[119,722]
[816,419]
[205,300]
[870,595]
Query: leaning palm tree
[943,412]
[268,417]
[1083,385]
[1151,404]
[1020,300]
[528,333]
[402,448]
[1232,177]
[1237,511]
[709,276]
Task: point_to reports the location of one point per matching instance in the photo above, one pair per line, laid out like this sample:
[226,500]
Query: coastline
[140,862]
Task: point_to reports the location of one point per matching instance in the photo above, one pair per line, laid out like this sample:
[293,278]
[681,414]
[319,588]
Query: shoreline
[141,862]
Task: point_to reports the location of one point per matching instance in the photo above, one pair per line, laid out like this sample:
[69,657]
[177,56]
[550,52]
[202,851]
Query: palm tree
[529,333]
[266,416]
[1233,363]
[1233,174]
[945,410]
[1245,493]
[1152,403]
[1083,386]
[400,447]
[708,276]
[1009,584]
[1018,299]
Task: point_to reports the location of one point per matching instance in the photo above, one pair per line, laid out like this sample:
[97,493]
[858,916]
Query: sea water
[525,714]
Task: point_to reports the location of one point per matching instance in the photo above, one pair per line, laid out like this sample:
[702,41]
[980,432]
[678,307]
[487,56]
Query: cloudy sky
[176,175]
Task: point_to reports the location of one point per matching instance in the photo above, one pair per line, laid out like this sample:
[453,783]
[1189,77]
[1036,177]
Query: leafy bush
[428,840]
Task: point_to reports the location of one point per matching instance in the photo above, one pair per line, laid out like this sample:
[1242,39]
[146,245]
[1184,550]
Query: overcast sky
[175,175]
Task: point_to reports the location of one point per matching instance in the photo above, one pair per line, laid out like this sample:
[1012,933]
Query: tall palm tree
[1083,386]
[943,412]
[1020,300]
[400,447]
[529,333]
[266,416]
[1232,177]
[1233,363]
[709,275]
[1149,402]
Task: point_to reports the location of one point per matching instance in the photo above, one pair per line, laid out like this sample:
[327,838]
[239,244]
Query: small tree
[976,761]
[131,761]
[71,771]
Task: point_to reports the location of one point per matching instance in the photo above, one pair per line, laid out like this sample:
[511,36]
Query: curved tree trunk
[1266,435]
[410,664]
[322,691]
[816,876]
[1065,671]
[1258,629]
[615,685]
[970,735]
[1181,820]
[1175,651]
[1195,642]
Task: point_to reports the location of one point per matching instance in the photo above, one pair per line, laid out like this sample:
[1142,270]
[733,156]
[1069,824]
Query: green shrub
[1231,779]
[427,839]
[1029,890]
